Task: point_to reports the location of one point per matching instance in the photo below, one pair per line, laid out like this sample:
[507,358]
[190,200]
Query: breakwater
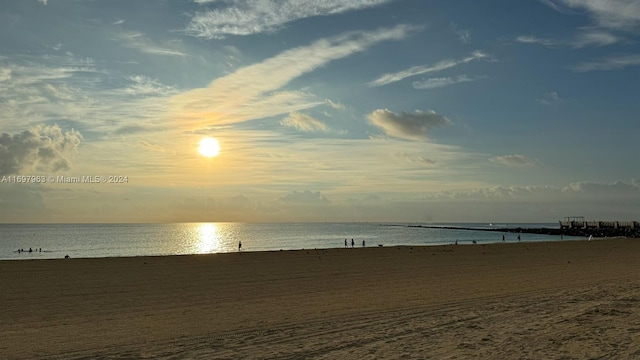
[568,231]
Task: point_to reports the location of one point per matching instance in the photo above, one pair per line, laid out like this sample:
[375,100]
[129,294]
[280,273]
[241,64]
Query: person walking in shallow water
[239,245]
[353,243]
[345,243]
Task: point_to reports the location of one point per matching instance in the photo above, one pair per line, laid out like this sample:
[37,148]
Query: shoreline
[500,300]
[426,245]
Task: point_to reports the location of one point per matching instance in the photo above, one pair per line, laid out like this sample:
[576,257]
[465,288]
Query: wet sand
[552,300]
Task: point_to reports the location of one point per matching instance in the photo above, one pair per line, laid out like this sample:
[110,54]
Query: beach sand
[550,300]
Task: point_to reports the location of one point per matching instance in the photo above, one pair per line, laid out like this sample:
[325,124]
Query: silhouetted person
[239,245]
[30,250]
[518,237]
[345,243]
[353,243]
[502,238]
[362,243]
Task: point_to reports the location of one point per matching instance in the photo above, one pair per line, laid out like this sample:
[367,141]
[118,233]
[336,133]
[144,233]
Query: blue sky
[325,110]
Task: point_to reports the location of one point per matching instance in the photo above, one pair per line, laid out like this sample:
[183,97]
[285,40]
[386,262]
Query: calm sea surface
[107,240]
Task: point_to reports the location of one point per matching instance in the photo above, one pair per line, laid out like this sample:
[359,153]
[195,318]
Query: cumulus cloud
[305,197]
[44,148]
[514,160]
[243,17]
[411,126]
[434,83]
[423,69]
[304,122]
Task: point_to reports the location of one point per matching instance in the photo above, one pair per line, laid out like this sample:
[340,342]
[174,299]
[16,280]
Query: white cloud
[611,63]
[434,83]
[43,148]
[423,69]
[550,98]
[514,160]
[252,17]
[254,92]
[411,126]
[304,122]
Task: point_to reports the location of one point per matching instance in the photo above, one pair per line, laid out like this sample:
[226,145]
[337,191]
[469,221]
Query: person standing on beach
[353,243]
[345,243]
[362,243]
[239,245]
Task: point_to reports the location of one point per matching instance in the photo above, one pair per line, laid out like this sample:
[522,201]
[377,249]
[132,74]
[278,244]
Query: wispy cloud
[424,69]
[252,17]
[619,14]
[464,35]
[335,105]
[514,160]
[585,38]
[304,123]
[143,85]
[550,98]
[434,83]
[255,91]
[142,43]
[608,64]
[411,126]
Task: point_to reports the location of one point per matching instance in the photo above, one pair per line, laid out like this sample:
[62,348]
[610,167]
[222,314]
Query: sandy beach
[551,300]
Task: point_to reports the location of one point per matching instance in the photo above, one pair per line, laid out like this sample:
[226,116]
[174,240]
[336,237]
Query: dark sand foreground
[564,300]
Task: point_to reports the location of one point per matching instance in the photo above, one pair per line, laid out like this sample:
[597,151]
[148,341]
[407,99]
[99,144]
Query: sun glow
[209,147]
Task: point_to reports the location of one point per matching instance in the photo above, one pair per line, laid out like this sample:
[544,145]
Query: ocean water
[49,241]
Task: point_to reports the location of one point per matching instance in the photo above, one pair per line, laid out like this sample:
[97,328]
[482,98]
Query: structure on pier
[578,222]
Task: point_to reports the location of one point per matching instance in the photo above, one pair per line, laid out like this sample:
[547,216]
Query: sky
[325,110]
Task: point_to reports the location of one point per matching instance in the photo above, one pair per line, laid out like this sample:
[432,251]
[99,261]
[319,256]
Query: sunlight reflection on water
[209,241]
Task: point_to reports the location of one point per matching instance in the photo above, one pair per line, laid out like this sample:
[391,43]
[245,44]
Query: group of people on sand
[21,250]
[353,243]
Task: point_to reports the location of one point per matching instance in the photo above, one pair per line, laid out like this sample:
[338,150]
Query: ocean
[51,241]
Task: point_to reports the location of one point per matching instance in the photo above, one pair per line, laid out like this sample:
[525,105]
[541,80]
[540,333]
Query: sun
[209,147]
